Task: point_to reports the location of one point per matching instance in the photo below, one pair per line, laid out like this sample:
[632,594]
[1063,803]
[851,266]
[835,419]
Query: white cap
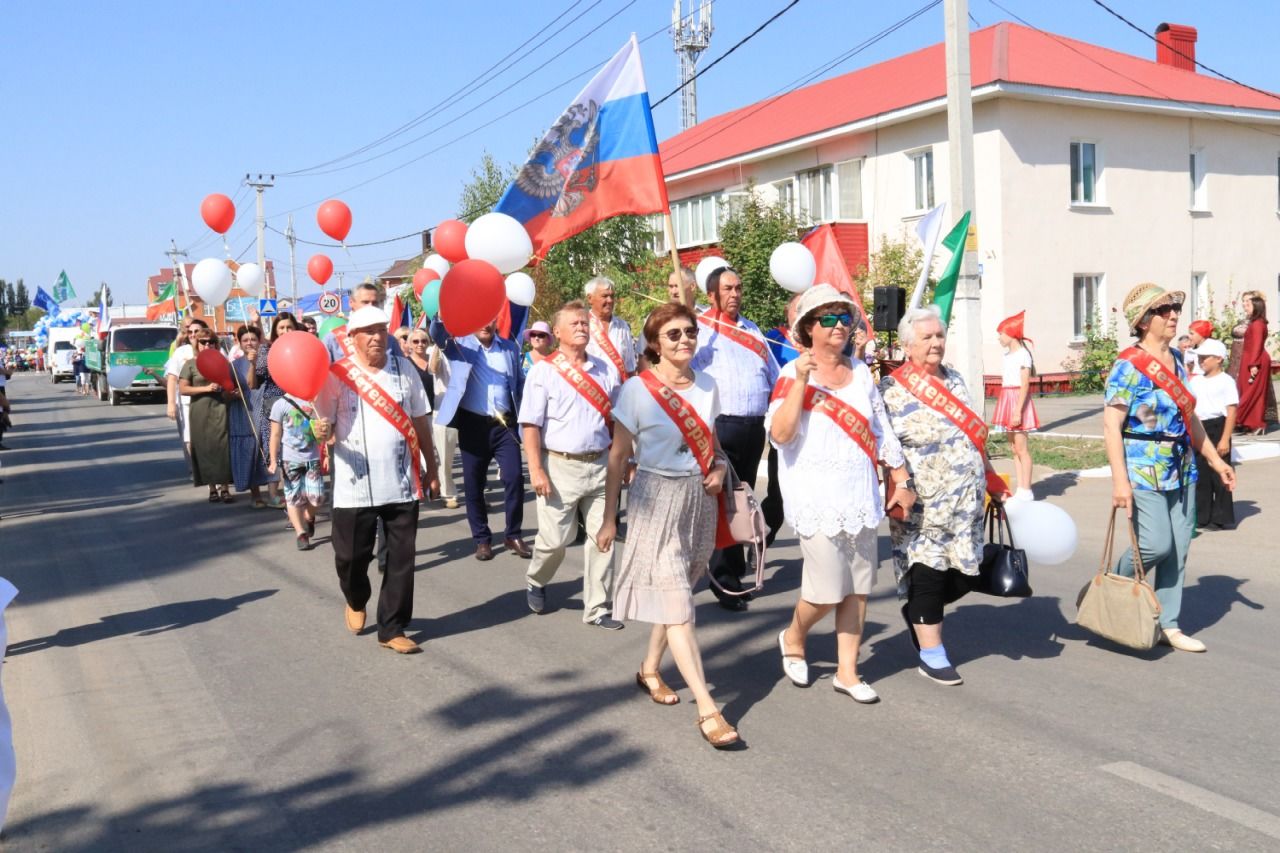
[369,315]
[1212,346]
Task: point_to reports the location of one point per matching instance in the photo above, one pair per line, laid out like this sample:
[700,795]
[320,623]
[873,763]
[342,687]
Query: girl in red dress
[1253,376]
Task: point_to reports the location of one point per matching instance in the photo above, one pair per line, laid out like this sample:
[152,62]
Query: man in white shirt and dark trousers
[611,340]
[733,351]
[566,418]
[375,406]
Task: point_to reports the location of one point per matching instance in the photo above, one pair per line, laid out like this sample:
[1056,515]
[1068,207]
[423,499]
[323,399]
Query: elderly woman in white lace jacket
[829,425]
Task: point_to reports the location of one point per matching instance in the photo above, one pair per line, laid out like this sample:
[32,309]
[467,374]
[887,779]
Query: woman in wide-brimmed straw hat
[1151,431]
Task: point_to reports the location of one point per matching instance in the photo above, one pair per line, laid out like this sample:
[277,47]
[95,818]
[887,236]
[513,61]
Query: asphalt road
[180,679]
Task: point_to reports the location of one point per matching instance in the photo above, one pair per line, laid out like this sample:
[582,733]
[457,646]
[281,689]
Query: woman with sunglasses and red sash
[1151,431]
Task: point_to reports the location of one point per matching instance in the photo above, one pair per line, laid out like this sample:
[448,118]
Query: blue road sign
[267,308]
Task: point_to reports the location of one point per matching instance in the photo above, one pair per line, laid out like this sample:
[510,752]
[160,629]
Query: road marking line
[1233,810]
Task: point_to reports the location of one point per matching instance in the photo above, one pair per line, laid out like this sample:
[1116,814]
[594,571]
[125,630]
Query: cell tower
[691,39]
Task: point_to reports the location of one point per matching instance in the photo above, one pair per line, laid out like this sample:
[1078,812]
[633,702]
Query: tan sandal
[662,694]
[722,735]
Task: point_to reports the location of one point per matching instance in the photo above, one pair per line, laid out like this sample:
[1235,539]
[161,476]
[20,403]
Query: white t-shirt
[1213,394]
[372,465]
[180,356]
[1192,360]
[660,447]
[1014,361]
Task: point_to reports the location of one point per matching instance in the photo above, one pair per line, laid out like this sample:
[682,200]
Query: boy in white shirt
[1216,402]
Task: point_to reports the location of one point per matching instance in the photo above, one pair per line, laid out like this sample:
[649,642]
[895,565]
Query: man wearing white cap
[1217,401]
[376,407]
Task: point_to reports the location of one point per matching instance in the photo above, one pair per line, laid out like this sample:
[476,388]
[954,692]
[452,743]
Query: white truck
[61,346]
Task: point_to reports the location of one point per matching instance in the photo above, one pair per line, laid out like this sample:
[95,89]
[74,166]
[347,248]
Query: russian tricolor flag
[600,159]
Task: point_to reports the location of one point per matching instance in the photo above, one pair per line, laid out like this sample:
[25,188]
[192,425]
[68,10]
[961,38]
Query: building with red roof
[1095,170]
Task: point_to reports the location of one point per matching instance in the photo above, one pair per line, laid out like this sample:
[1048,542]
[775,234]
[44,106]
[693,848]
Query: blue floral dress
[1155,466]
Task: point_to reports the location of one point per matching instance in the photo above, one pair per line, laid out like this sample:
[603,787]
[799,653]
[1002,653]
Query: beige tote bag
[1123,610]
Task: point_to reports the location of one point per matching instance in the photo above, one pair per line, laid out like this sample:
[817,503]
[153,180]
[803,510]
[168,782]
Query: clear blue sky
[120,117]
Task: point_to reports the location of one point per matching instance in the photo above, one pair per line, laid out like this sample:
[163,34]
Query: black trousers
[481,440]
[929,590]
[1213,501]
[771,506]
[743,441]
[353,533]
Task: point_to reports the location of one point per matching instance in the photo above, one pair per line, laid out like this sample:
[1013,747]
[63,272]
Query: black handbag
[1003,571]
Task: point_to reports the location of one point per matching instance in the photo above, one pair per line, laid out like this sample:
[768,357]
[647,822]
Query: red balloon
[472,294]
[299,364]
[218,212]
[320,268]
[334,219]
[449,240]
[214,366]
[420,279]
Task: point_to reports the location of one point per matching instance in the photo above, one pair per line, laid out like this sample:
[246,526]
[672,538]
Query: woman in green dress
[210,449]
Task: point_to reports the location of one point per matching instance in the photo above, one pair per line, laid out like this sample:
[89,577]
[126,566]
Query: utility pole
[965,331]
[690,40]
[293,268]
[260,185]
[181,275]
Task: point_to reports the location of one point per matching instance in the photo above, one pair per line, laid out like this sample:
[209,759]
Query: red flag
[831,267]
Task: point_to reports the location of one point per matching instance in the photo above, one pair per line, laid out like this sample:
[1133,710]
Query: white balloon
[437,263]
[212,281]
[792,266]
[121,376]
[1046,532]
[250,278]
[706,267]
[500,240]
[521,289]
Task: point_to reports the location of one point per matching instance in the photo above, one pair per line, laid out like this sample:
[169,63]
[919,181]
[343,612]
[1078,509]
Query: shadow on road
[1211,598]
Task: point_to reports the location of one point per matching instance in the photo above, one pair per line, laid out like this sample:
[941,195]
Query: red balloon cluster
[299,364]
[214,366]
[472,294]
[449,240]
[218,212]
[320,268]
[420,279]
[334,219]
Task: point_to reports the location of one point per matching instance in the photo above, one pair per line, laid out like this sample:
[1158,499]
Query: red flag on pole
[831,267]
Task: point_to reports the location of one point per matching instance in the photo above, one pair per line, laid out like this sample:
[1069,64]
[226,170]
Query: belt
[1162,437]
[589,456]
[742,419]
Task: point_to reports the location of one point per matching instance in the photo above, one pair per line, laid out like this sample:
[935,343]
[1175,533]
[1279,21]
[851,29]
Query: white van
[61,346]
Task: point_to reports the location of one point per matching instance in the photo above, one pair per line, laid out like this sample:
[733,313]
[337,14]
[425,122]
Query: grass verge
[1060,454]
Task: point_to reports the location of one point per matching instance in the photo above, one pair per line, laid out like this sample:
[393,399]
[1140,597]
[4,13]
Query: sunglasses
[537,336]
[673,335]
[1166,310]
[417,340]
[829,321]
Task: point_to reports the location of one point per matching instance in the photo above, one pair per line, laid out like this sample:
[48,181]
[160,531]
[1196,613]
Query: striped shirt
[743,379]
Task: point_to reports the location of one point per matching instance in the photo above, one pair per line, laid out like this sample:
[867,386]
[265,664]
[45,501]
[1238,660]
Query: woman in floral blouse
[1149,445]
[938,546]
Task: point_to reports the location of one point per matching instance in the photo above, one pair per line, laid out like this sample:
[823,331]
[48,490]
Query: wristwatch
[909,484]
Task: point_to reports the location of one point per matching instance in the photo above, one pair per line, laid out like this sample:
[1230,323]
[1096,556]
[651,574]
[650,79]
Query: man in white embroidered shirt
[376,407]
[611,339]
[732,350]
[566,418]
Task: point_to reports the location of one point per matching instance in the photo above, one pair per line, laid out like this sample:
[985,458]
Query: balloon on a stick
[706,267]
[449,239]
[299,364]
[437,263]
[319,267]
[521,289]
[212,281]
[792,266]
[501,240]
[214,366]
[250,278]
[420,279]
[471,296]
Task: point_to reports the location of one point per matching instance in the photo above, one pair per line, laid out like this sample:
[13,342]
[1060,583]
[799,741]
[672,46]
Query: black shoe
[304,542]
[537,598]
[911,631]
[770,536]
[311,529]
[733,603]
[946,675]
[484,551]
[608,623]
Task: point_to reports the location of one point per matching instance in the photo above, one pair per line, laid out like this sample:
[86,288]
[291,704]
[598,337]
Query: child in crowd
[1197,333]
[1014,411]
[1216,401]
[295,454]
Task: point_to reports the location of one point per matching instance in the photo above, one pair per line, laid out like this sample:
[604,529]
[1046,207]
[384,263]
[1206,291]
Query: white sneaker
[860,692]
[1023,495]
[793,667]
[1180,641]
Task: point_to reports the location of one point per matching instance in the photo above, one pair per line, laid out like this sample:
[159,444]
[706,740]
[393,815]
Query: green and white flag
[62,290]
[945,293]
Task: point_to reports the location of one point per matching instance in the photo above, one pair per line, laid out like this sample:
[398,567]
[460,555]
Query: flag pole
[686,297]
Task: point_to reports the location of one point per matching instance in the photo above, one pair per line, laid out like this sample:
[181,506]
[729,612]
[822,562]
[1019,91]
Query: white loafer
[1180,641]
[860,692]
[792,667]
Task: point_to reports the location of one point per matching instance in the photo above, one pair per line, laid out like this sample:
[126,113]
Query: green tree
[489,180]
[19,299]
[750,232]
[4,305]
[1097,358]
[11,300]
[97,294]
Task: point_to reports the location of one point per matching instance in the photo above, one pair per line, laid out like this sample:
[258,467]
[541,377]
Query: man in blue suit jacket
[481,403]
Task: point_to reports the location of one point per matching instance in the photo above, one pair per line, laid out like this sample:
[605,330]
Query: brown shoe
[355,620]
[517,547]
[484,551]
[401,645]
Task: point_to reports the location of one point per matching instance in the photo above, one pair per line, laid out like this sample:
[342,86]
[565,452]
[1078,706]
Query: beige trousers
[574,486]
[445,440]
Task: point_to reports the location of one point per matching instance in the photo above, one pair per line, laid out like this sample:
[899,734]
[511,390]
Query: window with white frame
[1195,294]
[849,186]
[210,310]
[731,204]
[1087,291]
[922,179]
[786,191]
[1196,172]
[658,238]
[815,191]
[1084,173]
[696,220]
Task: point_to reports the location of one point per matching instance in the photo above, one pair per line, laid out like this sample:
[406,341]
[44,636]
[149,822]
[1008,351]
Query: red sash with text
[699,437]
[846,417]
[741,337]
[928,390]
[600,332]
[1166,379]
[584,385]
[344,341]
[358,380]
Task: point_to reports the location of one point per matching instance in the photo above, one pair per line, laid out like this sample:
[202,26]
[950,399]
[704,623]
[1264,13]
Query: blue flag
[45,302]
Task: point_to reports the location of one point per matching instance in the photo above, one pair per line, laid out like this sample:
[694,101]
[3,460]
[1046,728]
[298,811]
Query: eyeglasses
[416,341]
[673,335]
[204,343]
[1166,310]
[828,321]
[537,335]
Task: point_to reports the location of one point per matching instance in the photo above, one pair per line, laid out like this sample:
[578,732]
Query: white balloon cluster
[437,263]
[521,289]
[250,278]
[211,279]
[501,240]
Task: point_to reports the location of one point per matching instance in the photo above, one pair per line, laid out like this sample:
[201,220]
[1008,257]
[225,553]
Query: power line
[726,54]
[417,233]
[1188,57]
